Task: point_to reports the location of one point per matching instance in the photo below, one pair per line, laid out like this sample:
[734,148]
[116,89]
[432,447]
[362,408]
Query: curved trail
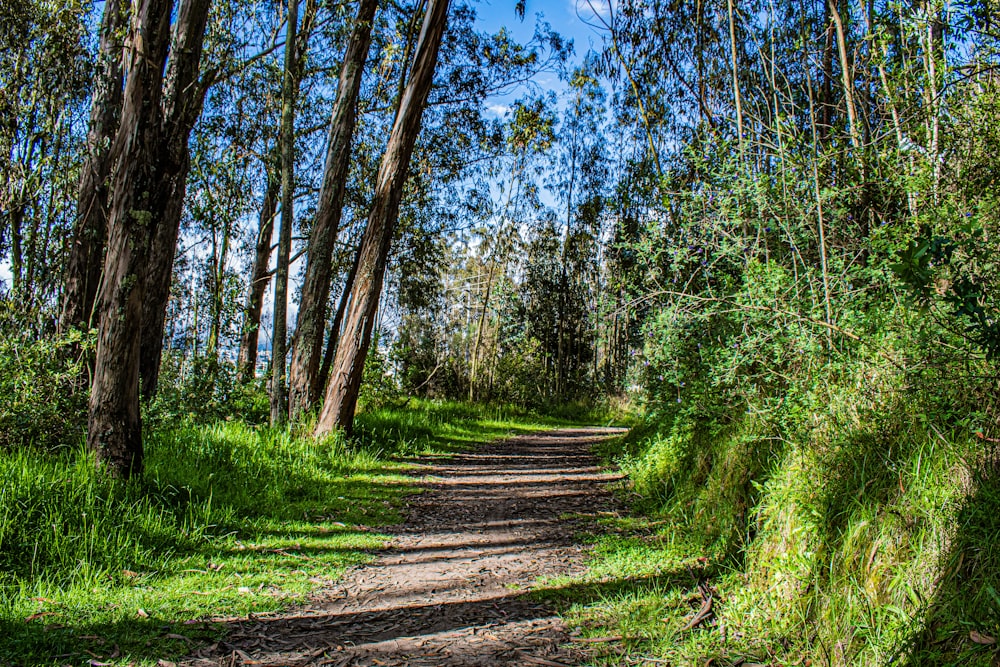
[451,587]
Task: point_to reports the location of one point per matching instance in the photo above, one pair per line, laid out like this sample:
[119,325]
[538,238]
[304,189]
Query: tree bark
[307,345]
[259,278]
[114,426]
[345,382]
[338,321]
[143,162]
[182,105]
[86,253]
[279,404]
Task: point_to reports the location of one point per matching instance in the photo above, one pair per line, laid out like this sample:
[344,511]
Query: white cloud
[500,110]
[588,9]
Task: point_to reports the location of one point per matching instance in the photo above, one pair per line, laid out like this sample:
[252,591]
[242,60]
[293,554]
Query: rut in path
[451,588]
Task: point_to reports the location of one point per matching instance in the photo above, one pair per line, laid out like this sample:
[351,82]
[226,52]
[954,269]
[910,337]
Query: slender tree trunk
[220,252]
[279,404]
[182,105]
[259,279]
[845,75]
[736,79]
[86,252]
[563,273]
[342,392]
[335,327]
[159,273]
[479,331]
[143,162]
[307,345]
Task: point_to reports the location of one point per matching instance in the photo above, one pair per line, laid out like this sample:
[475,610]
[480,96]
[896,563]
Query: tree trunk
[143,162]
[279,405]
[86,252]
[114,426]
[259,278]
[342,392]
[736,79]
[338,321]
[307,345]
[182,106]
[846,77]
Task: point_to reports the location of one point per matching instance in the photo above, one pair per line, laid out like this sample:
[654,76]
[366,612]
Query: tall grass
[854,523]
[228,519]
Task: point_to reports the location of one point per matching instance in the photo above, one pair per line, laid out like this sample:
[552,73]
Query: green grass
[228,520]
[858,535]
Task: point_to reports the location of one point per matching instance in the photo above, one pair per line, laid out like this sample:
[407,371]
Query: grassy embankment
[841,527]
[228,520]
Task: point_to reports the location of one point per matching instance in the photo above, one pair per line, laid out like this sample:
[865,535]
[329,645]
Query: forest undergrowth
[845,512]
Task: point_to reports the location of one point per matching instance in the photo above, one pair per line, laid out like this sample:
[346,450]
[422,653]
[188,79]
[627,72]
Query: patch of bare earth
[452,586]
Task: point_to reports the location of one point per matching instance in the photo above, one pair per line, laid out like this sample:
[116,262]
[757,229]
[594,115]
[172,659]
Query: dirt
[453,586]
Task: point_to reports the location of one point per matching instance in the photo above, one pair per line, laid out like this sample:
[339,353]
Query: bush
[43,388]
[204,390]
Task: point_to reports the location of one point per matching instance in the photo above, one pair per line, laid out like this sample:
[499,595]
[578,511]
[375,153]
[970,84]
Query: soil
[453,586]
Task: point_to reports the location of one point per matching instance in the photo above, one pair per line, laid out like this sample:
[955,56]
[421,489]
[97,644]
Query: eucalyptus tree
[149,163]
[45,65]
[580,174]
[86,253]
[348,365]
[307,344]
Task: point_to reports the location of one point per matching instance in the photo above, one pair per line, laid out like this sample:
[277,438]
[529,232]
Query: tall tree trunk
[307,345]
[158,277]
[86,252]
[847,79]
[182,105]
[114,426]
[335,327]
[144,161]
[220,251]
[345,382]
[279,405]
[736,79]
[259,278]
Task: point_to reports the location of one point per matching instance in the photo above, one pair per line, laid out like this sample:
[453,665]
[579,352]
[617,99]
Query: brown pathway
[451,587]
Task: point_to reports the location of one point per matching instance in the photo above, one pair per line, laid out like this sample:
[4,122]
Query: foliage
[42,398]
[204,389]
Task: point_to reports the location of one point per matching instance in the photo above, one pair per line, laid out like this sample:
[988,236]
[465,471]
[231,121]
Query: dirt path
[451,588]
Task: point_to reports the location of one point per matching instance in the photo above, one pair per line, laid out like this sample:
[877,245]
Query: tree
[86,257]
[289,93]
[148,155]
[307,345]
[348,365]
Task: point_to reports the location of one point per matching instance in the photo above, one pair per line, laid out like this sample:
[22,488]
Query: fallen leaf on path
[597,640]
[165,663]
[982,639]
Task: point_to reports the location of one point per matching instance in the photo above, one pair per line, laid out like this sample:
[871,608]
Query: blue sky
[567,17]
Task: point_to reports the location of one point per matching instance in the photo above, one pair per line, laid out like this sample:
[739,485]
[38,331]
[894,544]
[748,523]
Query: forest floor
[454,585]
